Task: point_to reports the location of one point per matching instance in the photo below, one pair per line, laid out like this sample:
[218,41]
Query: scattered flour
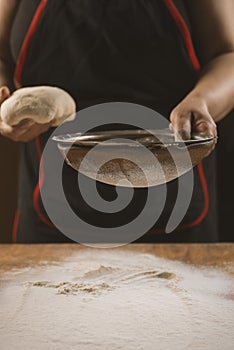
[114,300]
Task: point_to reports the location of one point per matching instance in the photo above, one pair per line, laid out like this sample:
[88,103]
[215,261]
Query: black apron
[137,51]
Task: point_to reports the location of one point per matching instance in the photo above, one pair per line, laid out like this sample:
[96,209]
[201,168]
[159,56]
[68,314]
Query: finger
[34,131]
[4,93]
[9,132]
[204,125]
[181,123]
[21,128]
[5,128]
[171,127]
[25,131]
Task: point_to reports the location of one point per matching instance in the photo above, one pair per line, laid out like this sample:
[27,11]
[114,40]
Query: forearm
[216,86]
[210,100]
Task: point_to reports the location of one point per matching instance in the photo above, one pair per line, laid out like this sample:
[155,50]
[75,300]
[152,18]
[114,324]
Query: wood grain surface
[16,256]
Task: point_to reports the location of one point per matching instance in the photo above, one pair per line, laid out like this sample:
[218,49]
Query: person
[176,57]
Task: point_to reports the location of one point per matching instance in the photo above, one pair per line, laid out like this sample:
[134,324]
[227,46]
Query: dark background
[9,156]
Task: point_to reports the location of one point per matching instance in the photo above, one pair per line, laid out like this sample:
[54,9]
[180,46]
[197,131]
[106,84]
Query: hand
[24,131]
[190,117]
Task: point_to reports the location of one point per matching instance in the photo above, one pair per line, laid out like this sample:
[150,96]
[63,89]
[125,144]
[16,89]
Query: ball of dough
[42,104]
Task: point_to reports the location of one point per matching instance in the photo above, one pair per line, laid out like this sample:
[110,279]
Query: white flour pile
[114,300]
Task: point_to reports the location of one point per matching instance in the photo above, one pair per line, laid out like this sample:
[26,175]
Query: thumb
[4,93]
[181,123]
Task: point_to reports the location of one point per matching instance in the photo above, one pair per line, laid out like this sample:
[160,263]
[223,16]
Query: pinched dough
[42,104]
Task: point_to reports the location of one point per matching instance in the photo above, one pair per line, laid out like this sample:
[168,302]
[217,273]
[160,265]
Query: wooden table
[17,256]
[67,296]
